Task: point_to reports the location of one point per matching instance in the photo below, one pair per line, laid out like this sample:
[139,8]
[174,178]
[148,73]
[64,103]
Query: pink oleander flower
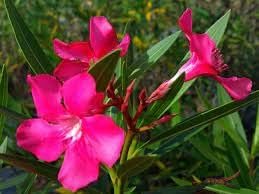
[77,56]
[71,122]
[206,60]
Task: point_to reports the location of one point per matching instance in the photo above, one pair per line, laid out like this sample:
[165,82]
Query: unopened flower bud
[159,93]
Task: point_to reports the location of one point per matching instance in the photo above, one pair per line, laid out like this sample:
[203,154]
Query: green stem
[129,136]
[118,184]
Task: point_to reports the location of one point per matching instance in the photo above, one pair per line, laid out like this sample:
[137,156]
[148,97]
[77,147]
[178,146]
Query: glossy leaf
[155,111]
[204,118]
[147,61]
[216,32]
[104,69]
[222,189]
[30,47]
[29,165]
[238,162]
[3,95]
[255,144]
[135,166]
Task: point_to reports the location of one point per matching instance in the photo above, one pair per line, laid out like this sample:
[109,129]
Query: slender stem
[118,188]
[129,136]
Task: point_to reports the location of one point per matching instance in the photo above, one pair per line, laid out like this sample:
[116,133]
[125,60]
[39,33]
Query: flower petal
[74,51]
[67,69]
[194,68]
[79,94]
[79,167]
[202,45]
[185,22]
[103,38]
[46,96]
[124,45]
[238,88]
[105,137]
[42,139]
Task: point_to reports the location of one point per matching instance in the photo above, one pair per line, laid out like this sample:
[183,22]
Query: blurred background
[147,22]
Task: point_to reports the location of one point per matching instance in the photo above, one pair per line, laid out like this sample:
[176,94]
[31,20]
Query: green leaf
[3,96]
[104,69]
[176,140]
[26,186]
[13,181]
[155,111]
[216,32]
[147,61]
[203,145]
[204,118]
[135,166]
[255,143]
[222,189]
[176,190]
[31,49]
[3,148]
[238,162]
[29,165]
[233,120]
[11,114]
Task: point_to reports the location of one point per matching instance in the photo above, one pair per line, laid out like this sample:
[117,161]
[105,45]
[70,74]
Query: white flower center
[74,130]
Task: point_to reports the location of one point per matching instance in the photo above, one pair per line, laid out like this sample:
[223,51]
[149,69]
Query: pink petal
[105,137]
[194,68]
[79,167]
[124,45]
[238,88]
[79,94]
[67,69]
[42,139]
[185,21]
[74,51]
[46,96]
[202,45]
[103,38]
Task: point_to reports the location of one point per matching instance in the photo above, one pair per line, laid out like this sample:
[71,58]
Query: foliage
[168,158]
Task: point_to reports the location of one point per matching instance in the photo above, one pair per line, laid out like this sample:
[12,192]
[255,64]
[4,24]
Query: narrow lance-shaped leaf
[255,143]
[135,166]
[33,166]
[238,162]
[222,189]
[11,114]
[216,32]
[233,120]
[146,61]
[104,69]
[3,95]
[162,105]
[205,117]
[31,49]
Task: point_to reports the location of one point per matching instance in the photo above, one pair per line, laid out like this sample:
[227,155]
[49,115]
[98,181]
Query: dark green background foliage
[217,149]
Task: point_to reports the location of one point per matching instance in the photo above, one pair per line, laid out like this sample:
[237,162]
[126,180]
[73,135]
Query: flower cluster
[70,111]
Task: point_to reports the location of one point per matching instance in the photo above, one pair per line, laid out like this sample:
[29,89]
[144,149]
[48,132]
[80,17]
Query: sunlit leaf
[204,118]
[147,61]
[30,47]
